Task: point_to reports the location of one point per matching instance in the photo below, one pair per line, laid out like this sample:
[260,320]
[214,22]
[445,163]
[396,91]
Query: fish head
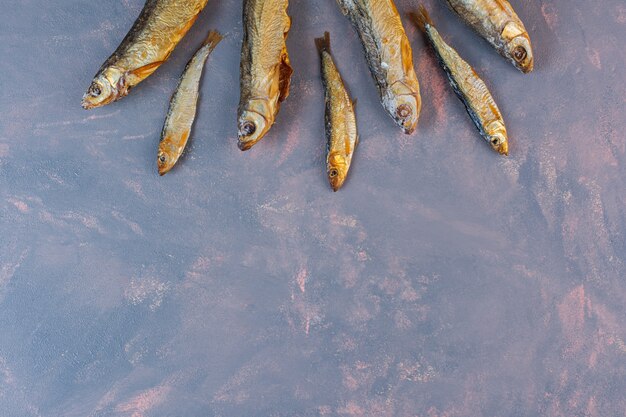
[405,106]
[518,47]
[109,85]
[337,169]
[166,157]
[497,137]
[253,123]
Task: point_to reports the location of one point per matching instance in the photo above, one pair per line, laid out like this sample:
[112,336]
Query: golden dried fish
[340,121]
[467,85]
[148,44]
[183,104]
[497,22]
[265,69]
[389,57]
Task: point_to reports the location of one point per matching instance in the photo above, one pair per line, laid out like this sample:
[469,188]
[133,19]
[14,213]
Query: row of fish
[265,70]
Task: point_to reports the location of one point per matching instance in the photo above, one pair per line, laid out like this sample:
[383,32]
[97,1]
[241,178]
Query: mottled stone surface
[443,280]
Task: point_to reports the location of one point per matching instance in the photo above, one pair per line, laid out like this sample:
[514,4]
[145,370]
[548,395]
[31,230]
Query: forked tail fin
[421,19]
[323,44]
[212,39]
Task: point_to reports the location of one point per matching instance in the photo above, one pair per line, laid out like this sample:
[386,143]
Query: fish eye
[95,90]
[247,128]
[519,53]
[495,141]
[333,173]
[162,158]
[403,111]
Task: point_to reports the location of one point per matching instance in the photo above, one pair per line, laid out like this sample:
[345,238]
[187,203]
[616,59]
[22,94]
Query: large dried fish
[497,22]
[151,40]
[467,85]
[340,121]
[265,69]
[389,57]
[183,104]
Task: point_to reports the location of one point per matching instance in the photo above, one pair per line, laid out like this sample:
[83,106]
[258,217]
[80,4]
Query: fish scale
[498,24]
[154,35]
[183,105]
[389,57]
[339,118]
[265,68]
[467,85]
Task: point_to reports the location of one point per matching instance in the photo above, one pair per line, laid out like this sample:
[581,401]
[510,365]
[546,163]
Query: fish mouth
[88,104]
[528,67]
[336,186]
[409,128]
[252,128]
[245,145]
[521,53]
[164,162]
[336,183]
[163,170]
[104,89]
[336,176]
[503,149]
[407,118]
[407,106]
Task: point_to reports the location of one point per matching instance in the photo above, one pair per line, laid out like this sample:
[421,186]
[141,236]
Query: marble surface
[443,280]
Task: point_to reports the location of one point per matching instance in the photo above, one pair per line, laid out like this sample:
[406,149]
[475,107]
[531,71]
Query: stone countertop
[442,280]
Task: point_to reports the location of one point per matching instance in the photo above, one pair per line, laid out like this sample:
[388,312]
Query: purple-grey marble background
[444,280]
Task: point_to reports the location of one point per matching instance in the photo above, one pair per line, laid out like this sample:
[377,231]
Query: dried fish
[467,85]
[389,57]
[497,22]
[340,121]
[182,111]
[148,44]
[265,68]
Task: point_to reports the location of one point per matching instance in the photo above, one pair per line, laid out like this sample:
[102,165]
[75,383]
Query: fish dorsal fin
[284,75]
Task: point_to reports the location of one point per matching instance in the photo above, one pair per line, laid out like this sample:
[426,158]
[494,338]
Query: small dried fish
[148,44]
[389,57]
[182,111]
[497,22]
[265,69]
[340,121]
[467,85]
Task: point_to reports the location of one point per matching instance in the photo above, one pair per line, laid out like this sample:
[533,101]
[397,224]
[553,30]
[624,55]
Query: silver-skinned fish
[467,85]
[182,110]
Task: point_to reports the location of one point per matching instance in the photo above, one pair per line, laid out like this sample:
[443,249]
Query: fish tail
[212,39]
[421,19]
[323,44]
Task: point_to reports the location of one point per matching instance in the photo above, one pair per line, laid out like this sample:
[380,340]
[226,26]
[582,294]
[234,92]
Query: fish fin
[354,103]
[285,72]
[323,44]
[146,70]
[212,39]
[421,19]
